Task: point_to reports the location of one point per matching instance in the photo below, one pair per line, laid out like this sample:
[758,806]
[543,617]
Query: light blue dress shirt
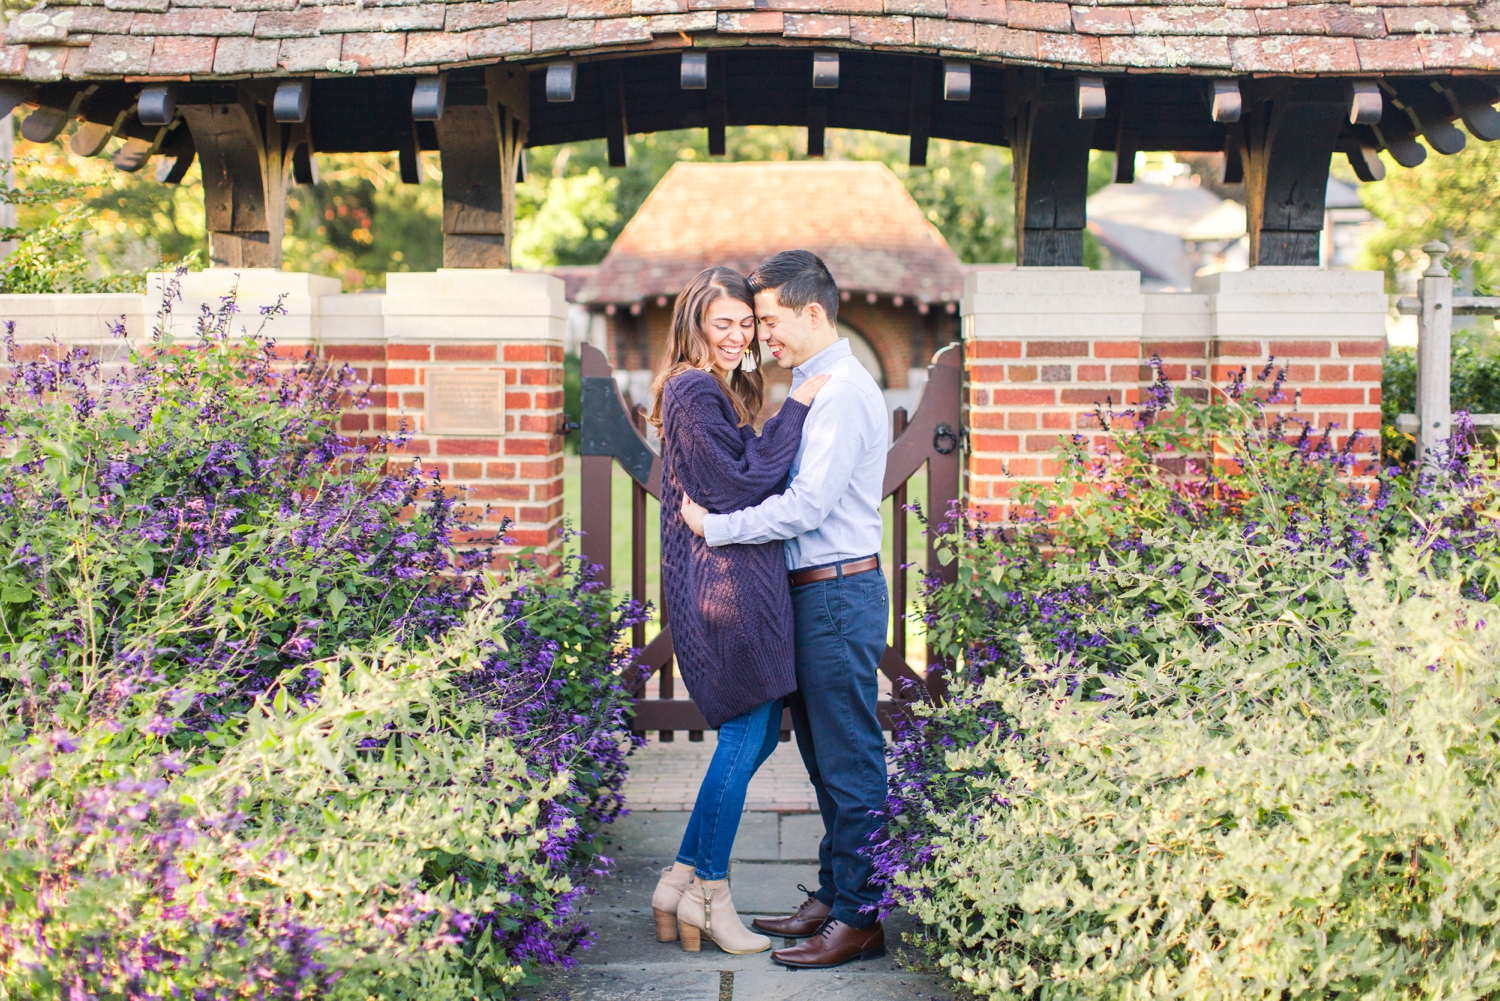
[831,511]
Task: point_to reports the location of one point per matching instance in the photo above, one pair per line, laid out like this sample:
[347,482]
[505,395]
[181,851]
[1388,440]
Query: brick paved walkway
[666,777]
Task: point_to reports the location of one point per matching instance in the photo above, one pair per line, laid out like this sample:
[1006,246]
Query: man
[830,519]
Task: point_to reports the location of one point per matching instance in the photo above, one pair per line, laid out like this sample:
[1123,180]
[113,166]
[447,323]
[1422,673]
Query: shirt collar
[823,360]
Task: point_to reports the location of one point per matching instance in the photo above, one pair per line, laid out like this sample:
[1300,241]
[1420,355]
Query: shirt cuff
[716,529]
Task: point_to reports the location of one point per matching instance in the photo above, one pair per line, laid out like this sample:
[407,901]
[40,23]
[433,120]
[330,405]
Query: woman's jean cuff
[699,872]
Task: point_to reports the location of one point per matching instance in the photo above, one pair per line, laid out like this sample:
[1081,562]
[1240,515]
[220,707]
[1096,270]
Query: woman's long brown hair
[688,346]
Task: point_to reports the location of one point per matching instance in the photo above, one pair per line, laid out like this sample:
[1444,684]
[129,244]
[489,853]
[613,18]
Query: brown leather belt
[852,567]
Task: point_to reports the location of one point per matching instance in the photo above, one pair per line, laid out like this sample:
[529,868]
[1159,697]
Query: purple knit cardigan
[729,607]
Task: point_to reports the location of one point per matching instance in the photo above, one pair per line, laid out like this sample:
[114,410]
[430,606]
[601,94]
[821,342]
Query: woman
[730,607]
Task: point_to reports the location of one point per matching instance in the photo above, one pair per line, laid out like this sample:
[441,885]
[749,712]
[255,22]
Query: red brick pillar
[468,361]
[1326,327]
[1043,347]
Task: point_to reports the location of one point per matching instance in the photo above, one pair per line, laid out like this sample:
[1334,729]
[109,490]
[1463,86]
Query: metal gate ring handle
[944,440]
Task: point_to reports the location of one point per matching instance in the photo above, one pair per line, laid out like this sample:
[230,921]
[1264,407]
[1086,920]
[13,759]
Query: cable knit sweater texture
[730,608]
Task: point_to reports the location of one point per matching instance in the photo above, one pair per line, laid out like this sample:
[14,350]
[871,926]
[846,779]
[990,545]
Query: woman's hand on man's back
[805,393]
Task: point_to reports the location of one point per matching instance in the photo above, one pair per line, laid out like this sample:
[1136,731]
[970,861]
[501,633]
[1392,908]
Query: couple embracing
[770,557]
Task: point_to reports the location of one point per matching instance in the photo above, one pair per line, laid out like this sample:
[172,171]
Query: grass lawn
[620,500]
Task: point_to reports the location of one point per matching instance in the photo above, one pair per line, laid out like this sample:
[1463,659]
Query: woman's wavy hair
[688,346]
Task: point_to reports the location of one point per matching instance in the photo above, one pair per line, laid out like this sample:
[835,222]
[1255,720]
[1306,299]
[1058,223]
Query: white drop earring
[747,362]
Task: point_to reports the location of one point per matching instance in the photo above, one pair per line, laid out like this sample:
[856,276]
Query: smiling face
[729,327]
[790,336]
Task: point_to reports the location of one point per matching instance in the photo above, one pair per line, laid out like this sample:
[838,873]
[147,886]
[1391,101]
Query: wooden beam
[716,103]
[245,161]
[1126,140]
[923,87]
[1050,151]
[817,121]
[616,128]
[1290,131]
[480,146]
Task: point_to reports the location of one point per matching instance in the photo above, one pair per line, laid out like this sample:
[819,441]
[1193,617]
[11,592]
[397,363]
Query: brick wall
[1045,347]
[495,324]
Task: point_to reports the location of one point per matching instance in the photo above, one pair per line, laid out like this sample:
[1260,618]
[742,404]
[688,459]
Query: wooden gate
[610,434]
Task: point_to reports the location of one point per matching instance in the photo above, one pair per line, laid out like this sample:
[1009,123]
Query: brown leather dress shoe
[834,945]
[808,919]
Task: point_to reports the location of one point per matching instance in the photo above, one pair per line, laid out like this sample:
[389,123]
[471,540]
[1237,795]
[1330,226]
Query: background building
[1170,226]
[900,281]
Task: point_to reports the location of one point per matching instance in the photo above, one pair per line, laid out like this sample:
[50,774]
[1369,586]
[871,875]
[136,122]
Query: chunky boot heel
[706,911]
[674,882]
[691,942]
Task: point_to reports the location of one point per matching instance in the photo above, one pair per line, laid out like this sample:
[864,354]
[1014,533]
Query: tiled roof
[230,38]
[856,216]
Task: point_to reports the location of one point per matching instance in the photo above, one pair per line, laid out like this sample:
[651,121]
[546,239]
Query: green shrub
[1315,817]
[266,731]
[1219,728]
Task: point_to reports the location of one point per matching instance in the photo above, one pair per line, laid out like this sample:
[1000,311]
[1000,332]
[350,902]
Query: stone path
[773,853]
[666,777]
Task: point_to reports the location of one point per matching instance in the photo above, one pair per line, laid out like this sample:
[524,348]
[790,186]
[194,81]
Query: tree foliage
[265,730]
[1448,198]
[965,191]
[1224,723]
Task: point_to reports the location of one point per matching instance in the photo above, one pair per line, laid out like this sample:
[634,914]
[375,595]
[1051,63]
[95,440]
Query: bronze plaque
[465,402]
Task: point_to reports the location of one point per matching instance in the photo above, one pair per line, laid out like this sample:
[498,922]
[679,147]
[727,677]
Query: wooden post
[1288,136]
[481,147]
[245,156]
[1434,331]
[898,550]
[596,515]
[1050,149]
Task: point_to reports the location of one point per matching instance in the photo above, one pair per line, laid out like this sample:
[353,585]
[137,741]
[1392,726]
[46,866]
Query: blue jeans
[745,742]
[840,636]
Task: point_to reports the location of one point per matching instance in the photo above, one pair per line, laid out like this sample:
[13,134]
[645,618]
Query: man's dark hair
[798,277]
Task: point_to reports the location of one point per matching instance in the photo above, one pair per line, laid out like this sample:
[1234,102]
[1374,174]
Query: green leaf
[15,594]
[336,601]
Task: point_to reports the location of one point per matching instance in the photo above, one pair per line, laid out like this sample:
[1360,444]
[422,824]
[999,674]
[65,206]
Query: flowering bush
[1225,732]
[266,731]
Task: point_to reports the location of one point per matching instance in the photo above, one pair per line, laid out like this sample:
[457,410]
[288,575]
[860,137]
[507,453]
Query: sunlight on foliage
[268,730]
[1224,726]
[1448,198]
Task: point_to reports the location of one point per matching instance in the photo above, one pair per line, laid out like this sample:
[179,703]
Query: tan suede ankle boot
[669,890]
[707,910]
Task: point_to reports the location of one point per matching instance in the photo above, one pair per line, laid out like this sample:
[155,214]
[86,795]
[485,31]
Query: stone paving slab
[800,836]
[762,837]
[847,983]
[666,777]
[626,963]
[769,888]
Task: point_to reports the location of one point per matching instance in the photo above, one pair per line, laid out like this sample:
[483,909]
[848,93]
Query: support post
[616,127]
[245,156]
[481,151]
[922,92]
[1288,140]
[1434,336]
[716,103]
[1051,156]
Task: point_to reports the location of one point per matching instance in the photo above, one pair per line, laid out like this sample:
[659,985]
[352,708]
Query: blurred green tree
[1448,198]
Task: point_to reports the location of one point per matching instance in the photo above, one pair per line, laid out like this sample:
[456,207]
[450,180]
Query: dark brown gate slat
[930,437]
